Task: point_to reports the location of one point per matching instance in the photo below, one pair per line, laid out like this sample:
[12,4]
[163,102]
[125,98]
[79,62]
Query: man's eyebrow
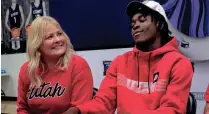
[132,21]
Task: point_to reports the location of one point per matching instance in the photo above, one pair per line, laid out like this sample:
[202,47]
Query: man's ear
[160,25]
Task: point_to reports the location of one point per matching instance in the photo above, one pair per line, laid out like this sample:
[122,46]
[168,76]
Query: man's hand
[73,110]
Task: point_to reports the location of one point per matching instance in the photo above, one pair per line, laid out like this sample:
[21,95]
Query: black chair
[94,91]
[2,93]
[191,104]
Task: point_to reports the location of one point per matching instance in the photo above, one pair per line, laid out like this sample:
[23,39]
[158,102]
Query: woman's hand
[72,110]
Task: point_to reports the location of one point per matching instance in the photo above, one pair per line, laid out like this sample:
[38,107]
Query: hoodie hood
[168,47]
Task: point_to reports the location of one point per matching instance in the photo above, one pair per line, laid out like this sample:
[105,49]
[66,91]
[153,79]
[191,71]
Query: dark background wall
[99,24]
[94,24]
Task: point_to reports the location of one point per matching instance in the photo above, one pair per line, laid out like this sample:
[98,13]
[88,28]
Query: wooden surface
[8,107]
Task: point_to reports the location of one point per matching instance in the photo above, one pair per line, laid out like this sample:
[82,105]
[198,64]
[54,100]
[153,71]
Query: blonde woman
[54,79]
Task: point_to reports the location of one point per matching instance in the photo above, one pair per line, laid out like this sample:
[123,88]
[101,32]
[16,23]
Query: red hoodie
[207,94]
[156,82]
[60,91]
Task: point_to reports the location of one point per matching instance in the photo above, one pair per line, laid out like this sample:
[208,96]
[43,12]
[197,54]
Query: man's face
[144,28]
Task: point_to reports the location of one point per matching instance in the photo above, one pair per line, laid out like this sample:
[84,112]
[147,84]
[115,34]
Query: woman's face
[54,42]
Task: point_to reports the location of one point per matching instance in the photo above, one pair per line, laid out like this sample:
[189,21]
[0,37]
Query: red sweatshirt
[207,94]
[60,90]
[156,82]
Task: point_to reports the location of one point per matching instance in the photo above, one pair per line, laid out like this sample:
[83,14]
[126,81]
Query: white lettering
[14,14]
[141,87]
[37,11]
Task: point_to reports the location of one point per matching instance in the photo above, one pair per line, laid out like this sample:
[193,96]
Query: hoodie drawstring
[137,64]
[136,54]
[137,69]
[149,65]
[149,72]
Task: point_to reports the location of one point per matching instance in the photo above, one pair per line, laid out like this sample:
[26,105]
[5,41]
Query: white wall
[12,63]
[198,47]
[95,59]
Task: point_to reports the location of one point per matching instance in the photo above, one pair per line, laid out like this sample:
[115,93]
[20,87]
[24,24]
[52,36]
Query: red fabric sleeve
[105,100]
[82,89]
[22,105]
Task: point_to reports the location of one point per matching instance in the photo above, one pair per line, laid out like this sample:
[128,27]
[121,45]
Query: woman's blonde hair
[34,42]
